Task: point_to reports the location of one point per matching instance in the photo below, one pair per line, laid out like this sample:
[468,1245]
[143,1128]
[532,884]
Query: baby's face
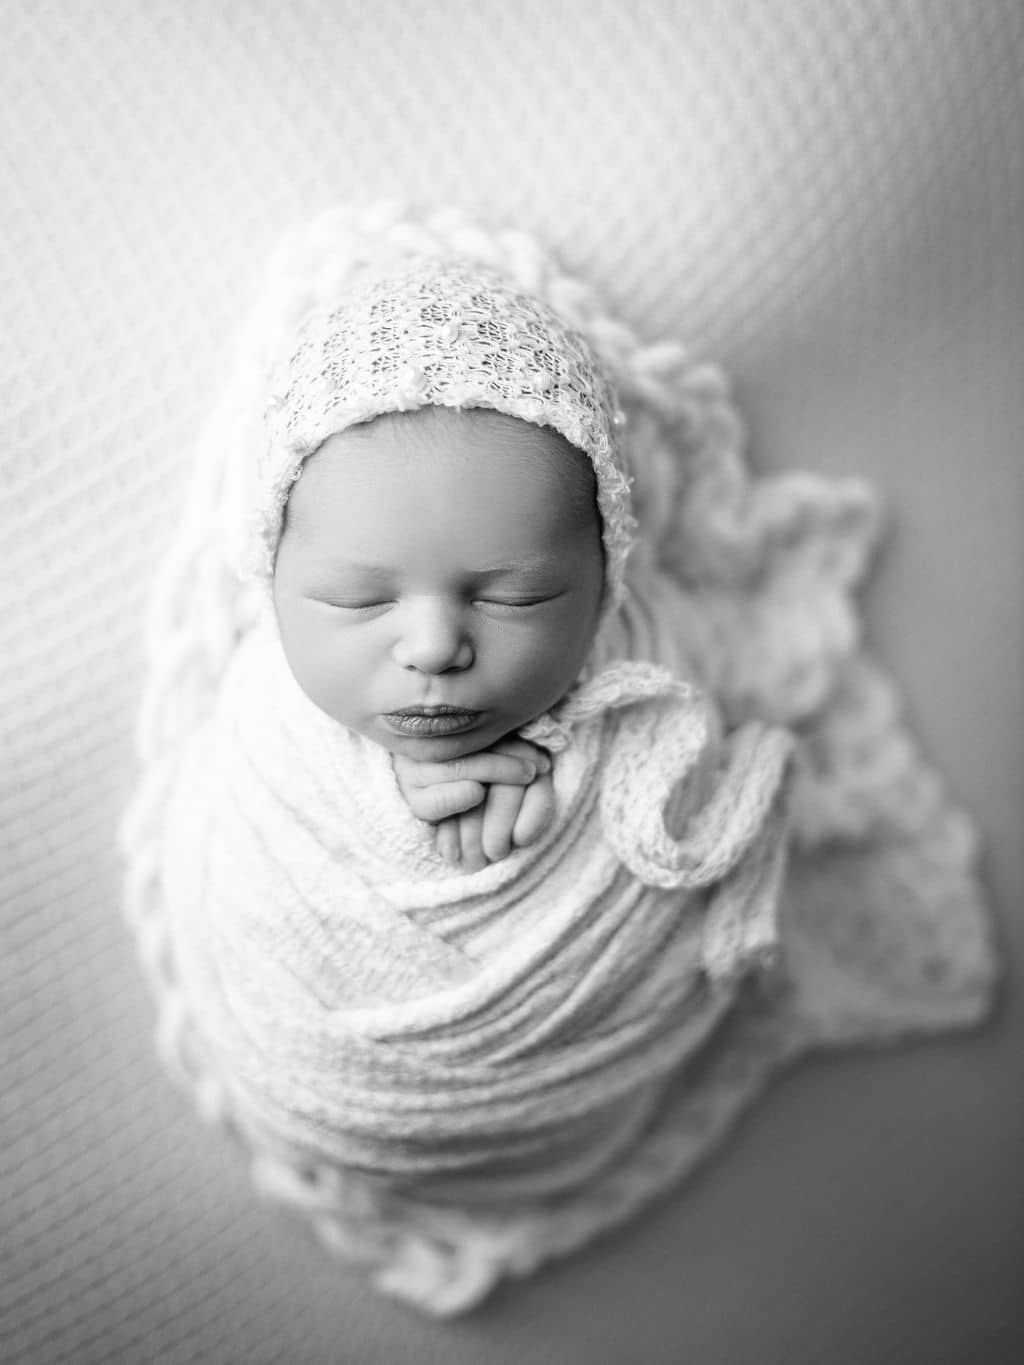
[439,578]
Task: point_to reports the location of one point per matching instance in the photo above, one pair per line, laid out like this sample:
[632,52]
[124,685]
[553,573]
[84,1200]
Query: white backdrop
[828,196]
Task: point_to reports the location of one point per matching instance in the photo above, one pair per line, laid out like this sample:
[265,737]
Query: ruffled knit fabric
[432,1108]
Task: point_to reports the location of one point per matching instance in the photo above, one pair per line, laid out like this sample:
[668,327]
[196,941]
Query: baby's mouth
[431,720]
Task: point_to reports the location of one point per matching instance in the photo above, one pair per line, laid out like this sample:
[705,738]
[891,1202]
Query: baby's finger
[488,766]
[532,754]
[500,811]
[536,812]
[447,841]
[471,826]
[445,799]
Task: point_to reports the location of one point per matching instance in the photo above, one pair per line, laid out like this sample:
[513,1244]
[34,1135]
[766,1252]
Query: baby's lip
[431,720]
[440,710]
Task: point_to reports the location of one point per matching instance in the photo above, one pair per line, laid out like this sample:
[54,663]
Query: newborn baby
[516,844]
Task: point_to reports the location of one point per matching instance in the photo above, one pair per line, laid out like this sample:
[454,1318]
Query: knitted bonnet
[445,333]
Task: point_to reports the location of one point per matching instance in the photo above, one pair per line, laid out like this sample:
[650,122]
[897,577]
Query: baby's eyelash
[513,604]
[377,605]
[366,608]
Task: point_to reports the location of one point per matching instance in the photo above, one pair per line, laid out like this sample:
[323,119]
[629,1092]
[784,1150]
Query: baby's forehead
[427,429]
[466,449]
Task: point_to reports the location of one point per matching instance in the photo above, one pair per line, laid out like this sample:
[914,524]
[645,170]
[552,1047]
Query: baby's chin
[439,748]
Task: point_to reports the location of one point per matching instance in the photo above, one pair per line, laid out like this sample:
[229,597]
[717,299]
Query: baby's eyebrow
[530,564]
[485,574]
[366,570]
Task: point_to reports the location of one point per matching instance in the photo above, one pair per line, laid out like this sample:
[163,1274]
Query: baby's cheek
[319,661]
[545,664]
[343,677]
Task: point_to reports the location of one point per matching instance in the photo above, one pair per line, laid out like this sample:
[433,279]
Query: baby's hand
[482,803]
[508,815]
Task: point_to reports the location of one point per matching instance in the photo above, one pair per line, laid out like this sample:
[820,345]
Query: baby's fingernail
[545,763]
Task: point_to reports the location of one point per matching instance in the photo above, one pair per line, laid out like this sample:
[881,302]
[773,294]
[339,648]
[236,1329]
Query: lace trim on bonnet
[884,916]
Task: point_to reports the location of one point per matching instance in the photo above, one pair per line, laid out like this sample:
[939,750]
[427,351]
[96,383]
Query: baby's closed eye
[357,606]
[519,602]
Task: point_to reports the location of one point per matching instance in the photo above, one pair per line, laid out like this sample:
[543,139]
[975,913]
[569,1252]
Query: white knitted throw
[458,1077]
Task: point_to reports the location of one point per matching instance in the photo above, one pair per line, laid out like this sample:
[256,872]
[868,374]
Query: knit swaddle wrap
[358,1015]
[464,1038]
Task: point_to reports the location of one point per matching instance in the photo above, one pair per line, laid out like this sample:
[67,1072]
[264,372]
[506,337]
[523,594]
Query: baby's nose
[433,637]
